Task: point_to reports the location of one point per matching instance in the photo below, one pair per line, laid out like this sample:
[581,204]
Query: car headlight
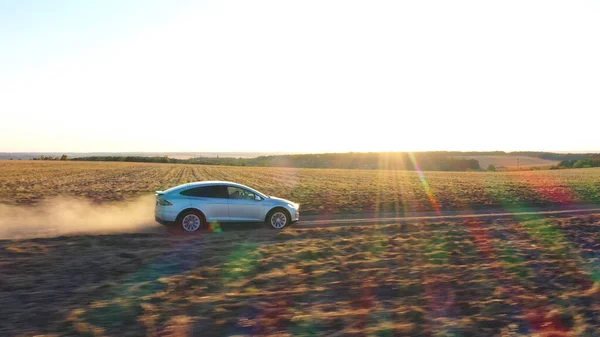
[294,206]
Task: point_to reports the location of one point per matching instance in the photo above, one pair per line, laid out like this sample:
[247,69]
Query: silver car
[191,206]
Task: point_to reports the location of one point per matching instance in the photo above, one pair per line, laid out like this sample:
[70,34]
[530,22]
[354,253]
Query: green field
[317,190]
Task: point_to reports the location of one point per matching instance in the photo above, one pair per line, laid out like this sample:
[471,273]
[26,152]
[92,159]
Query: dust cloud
[68,216]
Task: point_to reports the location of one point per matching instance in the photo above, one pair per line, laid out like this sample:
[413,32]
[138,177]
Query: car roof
[213,182]
[207,183]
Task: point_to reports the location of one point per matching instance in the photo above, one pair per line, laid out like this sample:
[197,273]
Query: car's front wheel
[191,221]
[278,218]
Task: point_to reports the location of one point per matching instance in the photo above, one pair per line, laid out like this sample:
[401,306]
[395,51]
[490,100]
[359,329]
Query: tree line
[42,157]
[136,159]
[581,163]
[427,161]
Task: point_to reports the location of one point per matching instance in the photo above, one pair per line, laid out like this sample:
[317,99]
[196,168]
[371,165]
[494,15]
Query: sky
[299,76]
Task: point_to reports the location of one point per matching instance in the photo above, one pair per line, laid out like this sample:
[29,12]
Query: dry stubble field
[317,190]
[515,277]
[527,276]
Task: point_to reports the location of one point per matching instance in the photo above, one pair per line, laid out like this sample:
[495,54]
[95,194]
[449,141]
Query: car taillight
[164,202]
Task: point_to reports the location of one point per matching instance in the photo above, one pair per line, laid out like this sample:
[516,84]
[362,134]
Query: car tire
[278,218]
[191,221]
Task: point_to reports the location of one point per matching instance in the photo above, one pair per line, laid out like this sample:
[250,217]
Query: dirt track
[67,216]
[350,219]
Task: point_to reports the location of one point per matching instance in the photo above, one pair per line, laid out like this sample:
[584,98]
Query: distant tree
[579,164]
[566,163]
[491,168]
[63,157]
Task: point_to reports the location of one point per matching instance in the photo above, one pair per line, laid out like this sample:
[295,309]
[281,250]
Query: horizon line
[290,152]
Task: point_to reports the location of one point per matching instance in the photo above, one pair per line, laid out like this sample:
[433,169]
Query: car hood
[283,200]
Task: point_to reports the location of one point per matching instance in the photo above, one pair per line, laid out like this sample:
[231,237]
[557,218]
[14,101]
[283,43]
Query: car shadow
[235,226]
[216,227]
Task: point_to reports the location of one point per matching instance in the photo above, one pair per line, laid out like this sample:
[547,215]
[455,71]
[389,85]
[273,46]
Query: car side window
[221,192]
[193,192]
[240,193]
[206,192]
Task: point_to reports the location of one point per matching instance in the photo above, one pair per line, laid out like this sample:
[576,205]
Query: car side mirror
[257,198]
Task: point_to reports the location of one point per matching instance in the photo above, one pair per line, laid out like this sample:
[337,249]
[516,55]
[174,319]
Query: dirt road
[70,217]
[351,219]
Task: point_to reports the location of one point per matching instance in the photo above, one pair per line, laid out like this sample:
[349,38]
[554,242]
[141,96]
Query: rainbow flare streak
[426,187]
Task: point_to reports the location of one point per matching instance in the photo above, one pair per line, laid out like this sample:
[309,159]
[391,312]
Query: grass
[522,277]
[317,190]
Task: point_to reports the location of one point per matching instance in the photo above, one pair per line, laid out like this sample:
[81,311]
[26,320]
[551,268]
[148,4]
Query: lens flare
[426,187]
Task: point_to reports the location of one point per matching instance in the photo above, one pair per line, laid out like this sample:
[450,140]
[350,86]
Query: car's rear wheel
[191,221]
[278,218]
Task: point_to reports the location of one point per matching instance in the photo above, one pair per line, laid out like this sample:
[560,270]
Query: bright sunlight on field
[317,190]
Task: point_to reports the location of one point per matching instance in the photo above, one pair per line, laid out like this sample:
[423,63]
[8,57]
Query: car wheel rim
[278,220]
[191,223]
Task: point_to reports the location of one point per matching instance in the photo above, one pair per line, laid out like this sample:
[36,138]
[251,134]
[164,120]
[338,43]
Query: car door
[244,205]
[211,200]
